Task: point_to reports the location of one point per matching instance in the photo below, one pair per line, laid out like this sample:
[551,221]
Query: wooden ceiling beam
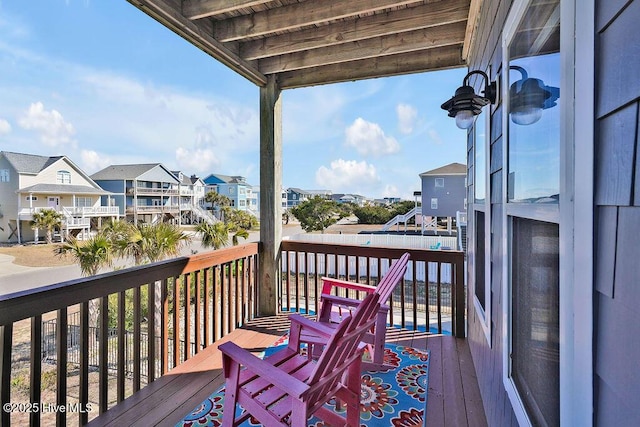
[429,38]
[197,9]
[167,13]
[408,19]
[297,15]
[414,62]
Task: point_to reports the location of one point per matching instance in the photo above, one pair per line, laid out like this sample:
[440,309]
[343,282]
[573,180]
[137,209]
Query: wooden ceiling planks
[322,41]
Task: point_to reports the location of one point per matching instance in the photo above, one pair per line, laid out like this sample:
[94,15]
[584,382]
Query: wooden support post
[270,196]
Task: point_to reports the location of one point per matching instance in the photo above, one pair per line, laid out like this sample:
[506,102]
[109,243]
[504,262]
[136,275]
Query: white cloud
[391,190]
[92,161]
[407,116]
[369,139]
[199,160]
[434,136]
[52,127]
[347,176]
[5,127]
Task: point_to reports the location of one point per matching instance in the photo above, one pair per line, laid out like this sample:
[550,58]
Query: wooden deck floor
[453,397]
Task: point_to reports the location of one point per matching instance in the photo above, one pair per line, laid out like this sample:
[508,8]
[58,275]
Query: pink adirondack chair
[333,308]
[288,387]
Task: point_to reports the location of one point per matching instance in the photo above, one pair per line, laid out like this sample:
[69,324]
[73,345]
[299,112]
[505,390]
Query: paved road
[14,278]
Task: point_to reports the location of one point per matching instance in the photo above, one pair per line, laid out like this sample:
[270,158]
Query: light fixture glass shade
[526,116]
[464,119]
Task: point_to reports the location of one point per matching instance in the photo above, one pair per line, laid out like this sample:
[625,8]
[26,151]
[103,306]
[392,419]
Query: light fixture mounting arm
[489,91]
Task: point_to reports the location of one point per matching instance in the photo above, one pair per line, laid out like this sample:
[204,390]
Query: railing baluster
[458,299]
[35,370]
[137,320]
[439,295]
[216,322]
[403,298]
[122,346]
[152,312]
[414,291]
[61,372]
[176,321]
[287,260]
[297,282]
[243,285]
[198,312]
[316,285]
[103,358]
[6,338]
[229,303]
[164,332]
[83,390]
[187,316]
[305,282]
[207,306]
[238,296]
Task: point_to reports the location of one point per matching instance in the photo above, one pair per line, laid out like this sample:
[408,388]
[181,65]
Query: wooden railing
[431,297]
[197,300]
[168,311]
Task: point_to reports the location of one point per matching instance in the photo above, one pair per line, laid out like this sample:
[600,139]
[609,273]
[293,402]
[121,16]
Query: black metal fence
[49,350]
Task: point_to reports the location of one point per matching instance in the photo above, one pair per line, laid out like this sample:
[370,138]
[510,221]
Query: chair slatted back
[392,277]
[342,347]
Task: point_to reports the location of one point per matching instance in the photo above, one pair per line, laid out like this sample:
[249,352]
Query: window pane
[536,324]
[534,116]
[479,260]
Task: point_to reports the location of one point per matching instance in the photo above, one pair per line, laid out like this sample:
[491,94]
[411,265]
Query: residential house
[29,183]
[443,195]
[145,193]
[295,196]
[192,193]
[356,199]
[235,188]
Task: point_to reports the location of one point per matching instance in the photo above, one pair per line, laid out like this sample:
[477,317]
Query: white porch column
[270,195]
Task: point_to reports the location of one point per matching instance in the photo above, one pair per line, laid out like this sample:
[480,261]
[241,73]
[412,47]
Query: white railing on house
[91,210]
[402,219]
[70,222]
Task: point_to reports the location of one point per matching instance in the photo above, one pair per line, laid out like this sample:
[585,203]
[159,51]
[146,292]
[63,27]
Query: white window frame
[434,203]
[5,175]
[574,214]
[439,182]
[31,198]
[63,177]
[483,314]
[81,202]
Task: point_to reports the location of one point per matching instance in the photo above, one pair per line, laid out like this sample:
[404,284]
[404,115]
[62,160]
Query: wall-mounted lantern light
[466,105]
[528,97]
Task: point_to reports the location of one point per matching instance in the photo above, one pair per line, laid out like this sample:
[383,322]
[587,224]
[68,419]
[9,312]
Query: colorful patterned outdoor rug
[396,397]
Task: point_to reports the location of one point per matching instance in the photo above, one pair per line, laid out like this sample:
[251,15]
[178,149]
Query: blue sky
[102,83]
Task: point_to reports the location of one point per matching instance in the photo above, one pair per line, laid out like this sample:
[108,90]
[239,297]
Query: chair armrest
[265,370]
[317,327]
[338,300]
[328,283]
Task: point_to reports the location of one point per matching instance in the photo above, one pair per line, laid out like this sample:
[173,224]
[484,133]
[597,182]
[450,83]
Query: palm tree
[116,230]
[240,233]
[217,200]
[213,235]
[152,242]
[47,219]
[91,255]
